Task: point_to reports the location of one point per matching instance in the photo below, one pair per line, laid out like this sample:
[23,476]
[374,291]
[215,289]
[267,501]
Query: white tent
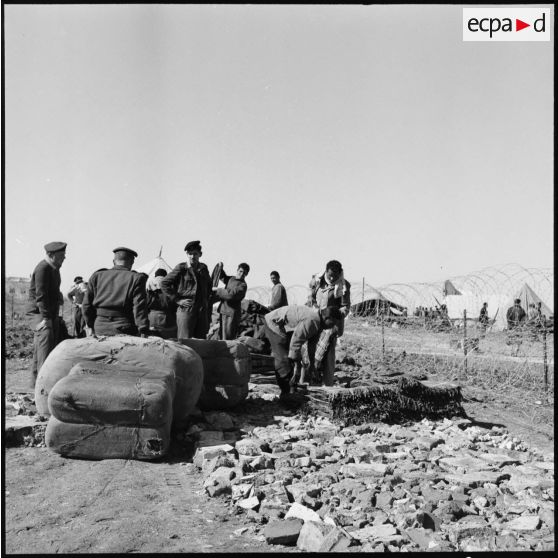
[151,267]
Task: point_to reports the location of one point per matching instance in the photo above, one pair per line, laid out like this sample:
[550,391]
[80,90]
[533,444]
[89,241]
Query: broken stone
[251,503]
[385,532]
[421,537]
[335,541]
[312,535]
[477,478]
[302,512]
[384,500]
[207,451]
[524,523]
[469,526]
[219,420]
[283,532]
[249,446]
[359,470]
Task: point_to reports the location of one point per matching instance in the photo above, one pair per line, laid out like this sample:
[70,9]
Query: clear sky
[283,136]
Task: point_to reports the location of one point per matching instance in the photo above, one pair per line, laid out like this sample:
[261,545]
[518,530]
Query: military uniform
[193,287]
[115,302]
[44,303]
[230,308]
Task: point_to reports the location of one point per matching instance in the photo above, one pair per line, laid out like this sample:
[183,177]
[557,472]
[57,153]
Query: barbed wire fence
[434,323]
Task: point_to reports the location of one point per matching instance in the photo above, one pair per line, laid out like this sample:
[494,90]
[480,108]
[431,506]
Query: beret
[55,246]
[193,245]
[78,279]
[128,250]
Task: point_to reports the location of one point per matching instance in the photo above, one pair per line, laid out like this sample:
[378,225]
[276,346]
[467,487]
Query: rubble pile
[23,425]
[442,485]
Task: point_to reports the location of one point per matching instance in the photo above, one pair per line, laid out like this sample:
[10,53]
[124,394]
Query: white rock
[299,511]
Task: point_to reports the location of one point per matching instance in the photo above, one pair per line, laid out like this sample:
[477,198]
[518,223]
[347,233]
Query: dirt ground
[58,505]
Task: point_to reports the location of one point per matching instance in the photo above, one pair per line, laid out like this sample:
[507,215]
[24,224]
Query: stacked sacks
[117,396]
[227,367]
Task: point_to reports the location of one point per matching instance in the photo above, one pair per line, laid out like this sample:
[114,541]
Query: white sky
[283,136]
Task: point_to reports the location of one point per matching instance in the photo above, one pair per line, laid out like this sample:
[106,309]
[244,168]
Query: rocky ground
[263,478]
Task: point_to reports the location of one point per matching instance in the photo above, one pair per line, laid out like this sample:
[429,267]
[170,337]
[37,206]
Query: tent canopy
[528,296]
[449,288]
[151,267]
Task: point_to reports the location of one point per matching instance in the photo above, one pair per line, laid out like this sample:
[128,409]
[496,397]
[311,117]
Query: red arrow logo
[519,25]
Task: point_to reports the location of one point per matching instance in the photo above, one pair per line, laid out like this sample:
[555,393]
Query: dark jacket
[231,296]
[515,316]
[117,292]
[183,283]
[278,297]
[44,291]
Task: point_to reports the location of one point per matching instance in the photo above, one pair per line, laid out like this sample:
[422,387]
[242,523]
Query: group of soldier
[179,304]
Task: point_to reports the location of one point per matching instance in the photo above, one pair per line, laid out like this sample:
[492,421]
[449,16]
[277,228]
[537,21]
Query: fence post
[545,362]
[12,309]
[465,342]
[363,290]
[383,340]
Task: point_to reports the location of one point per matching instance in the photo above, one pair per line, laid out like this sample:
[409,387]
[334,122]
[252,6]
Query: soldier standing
[189,286]
[115,300]
[44,303]
[75,296]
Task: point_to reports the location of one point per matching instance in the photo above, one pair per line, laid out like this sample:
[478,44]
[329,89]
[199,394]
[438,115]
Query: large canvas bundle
[152,355]
[106,441]
[227,368]
[409,399]
[95,393]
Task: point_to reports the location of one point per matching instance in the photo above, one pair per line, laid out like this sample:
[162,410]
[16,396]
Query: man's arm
[303,331]
[71,294]
[275,297]
[346,299]
[43,280]
[237,292]
[312,288]
[140,305]
[171,281]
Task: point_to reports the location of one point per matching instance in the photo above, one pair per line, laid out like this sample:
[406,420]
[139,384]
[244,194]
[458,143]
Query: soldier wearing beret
[115,300]
[44,303]
[188,285]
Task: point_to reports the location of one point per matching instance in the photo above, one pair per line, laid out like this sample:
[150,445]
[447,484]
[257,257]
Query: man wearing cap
[287,329]
[115,300]
[44,303]
[188,285]
[231,297]
[278,292]
[75,296]
[515,315]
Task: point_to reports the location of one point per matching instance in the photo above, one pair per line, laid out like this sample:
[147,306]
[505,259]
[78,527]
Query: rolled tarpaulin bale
[107,441]
[143,354]
[94,393]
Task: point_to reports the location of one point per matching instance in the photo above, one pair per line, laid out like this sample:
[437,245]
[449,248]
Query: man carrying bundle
[287,329]
[115,300]
[231,297]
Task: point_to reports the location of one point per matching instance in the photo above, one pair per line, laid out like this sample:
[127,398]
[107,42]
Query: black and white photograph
[277,278]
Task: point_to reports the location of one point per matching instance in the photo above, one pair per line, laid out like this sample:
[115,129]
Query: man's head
[274,276]
[124,257]
[517,301]
[161,272]
[78,279]
[56,253]
[242,271]
[334,269]
[329,316]
[193,252]
[485,304]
